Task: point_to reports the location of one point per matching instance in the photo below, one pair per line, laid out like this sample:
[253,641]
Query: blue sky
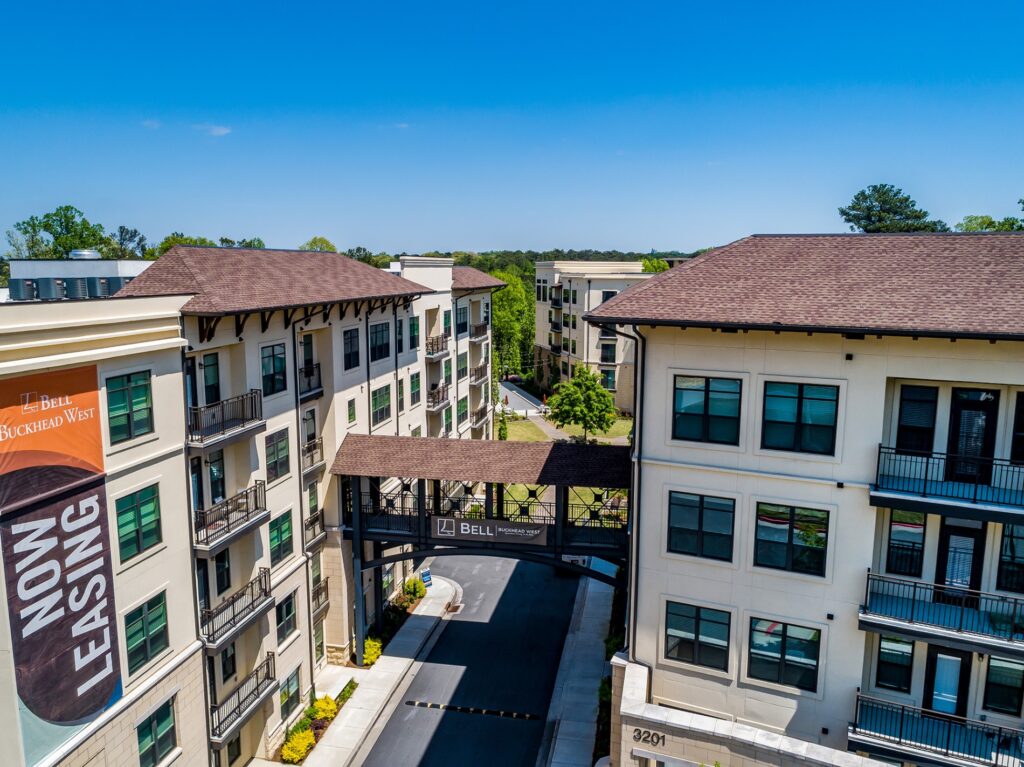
[475,125]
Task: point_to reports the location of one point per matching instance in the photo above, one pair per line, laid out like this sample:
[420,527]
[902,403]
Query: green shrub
[346,693]
[372,650]
[402,601]
[416,588]
[297,746]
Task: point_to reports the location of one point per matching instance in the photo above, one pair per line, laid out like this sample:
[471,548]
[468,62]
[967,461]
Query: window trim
[822,641]
[700,530]
[349,354]
[828,512]
[132,433]
[150,721]
[985,705]
[281,554]
[380,341]
[275,375]
[705,416]
[384,412]
[290,622]
[276,439]
[878,665]
[924,540]
[667,605]
[143,608]
[138,535]
[832,453]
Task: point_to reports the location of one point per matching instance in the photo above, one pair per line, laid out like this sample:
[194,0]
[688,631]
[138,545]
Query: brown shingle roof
[910,284]
[468,278]
[533,463]
[229,280]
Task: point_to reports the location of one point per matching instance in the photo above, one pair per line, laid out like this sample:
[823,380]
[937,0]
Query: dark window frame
[350,348]
[287,620]
[910,562]
[274,380]
[162,745]
[222,571]
[781,678]
[791,548]
[228,654]
[380,341]
[899,683]
[138,421]
[285,546]
[380,413]
[987,699]
[414,332]
[290,694]
[916,439]
[699,549]
[132,504]
[797,444]
[278,455]
[1010,569]
[1017,431]
[156,640]
[705,415]
[698,641]
[414,389]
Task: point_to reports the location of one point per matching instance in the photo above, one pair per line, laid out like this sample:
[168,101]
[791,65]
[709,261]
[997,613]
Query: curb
[426,643]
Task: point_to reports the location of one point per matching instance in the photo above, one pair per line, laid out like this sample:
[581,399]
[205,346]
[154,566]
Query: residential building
[829,490]
[565,292]
[100,653]
[288,352]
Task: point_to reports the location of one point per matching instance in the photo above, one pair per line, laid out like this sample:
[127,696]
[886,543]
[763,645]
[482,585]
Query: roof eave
[228,312]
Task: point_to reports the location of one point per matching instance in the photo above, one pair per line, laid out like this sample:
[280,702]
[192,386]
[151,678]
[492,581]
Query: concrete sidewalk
[572,716]
[377,684]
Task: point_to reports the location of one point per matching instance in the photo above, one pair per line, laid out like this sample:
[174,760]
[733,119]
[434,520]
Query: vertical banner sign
[55,541]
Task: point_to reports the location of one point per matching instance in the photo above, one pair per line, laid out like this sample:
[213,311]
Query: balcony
[226,521]
[556,326]
[437,399]
[478,333]
[939,483]
[555,348]
[312,455]
[480,416]
[225,420]
[478,375]
[228,716]
[310,385]
[556,297]
[314,531]
[436,347]
[319,597]
[220,624]
[970,620]
[917,735]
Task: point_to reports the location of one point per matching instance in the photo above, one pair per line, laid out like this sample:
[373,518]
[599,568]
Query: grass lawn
[523,431]
[620,428]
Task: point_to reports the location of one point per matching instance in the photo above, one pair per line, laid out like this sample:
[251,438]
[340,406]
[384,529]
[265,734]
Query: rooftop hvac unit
[50,289]
[76,287]
[98,287]
[84,255]
[22,290]
[114,284]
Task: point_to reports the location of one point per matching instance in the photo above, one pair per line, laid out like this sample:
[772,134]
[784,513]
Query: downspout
[638,418]
[192,536]
[394,324]
[455,327]
[586,327]
[369,402]
[301,507]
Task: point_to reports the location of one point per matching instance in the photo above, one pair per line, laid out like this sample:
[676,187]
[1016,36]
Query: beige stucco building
[565,291]
[828,486]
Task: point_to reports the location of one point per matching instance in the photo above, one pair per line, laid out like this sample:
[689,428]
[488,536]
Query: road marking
[472,710]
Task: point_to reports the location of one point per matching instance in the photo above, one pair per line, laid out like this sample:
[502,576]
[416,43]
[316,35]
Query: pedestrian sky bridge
[535,501]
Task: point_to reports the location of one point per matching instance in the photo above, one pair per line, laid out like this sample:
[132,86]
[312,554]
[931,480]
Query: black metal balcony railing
[313,527]
[218,621]
[950,608]
[904,557]
[950,736]
[437,397]
[243,698]
[320,595]
[479,330]
[312,453]
[230,514]
[210,421]
[556,326]
[437,345]
[950,476]
[556,301]
[556,348]
[478,374]
[309,378]
[479,416]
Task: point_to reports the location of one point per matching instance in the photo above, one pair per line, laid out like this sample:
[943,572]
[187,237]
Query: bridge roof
[529,463]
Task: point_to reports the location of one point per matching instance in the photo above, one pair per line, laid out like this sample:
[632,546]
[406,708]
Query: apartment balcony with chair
[221,624]
[437,399]
[480,416]
[314,530]
[310,385]
[436,347]
[957,617]
[235,709]
[478,375]
[943,483]
[224,522]
[312,454]
[320,597]
[478,332]
[910,734]
[223,421]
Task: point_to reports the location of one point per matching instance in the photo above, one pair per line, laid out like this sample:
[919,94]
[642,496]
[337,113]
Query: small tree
[503,426]
[582,401]
[655,265]
[885,208]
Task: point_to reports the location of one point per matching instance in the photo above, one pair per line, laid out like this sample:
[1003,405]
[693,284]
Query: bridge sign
[493,530]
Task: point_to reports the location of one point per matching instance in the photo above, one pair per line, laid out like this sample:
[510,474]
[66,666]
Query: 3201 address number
[649,737]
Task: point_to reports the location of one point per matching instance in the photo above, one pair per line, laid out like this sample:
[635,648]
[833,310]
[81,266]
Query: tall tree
[177,238]
[509,308]
[321,244]
[986,223]
[582,401]
[125,243]
[251,242]
[885,208]
[56,234]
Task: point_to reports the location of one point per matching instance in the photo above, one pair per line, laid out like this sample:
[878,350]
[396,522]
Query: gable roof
[473,460]
[945,285]
[468,278]
[231,280]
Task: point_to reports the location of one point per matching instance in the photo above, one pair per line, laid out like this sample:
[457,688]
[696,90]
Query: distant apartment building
[565,291]
[829,481]
[287,353]
[100,652]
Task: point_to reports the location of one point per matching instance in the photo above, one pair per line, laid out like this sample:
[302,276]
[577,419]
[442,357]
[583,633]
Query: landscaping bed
[307,731]
[395,614]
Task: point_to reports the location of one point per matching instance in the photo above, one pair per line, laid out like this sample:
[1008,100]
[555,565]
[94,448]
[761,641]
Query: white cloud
[213,130]
[151,124]
[402,126]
